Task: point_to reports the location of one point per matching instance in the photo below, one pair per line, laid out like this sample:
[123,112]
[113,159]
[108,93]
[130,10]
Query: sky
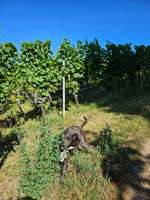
[118,21]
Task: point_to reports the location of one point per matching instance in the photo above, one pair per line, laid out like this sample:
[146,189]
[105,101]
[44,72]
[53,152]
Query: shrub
[107,142]
[38,172]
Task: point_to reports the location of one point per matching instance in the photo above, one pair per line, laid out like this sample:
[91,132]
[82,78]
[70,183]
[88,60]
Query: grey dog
[74,138]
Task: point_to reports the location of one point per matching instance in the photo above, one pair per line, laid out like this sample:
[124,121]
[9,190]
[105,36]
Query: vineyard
[35,74]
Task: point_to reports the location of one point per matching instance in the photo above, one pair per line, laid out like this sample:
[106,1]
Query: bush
[108,143]
[38,173]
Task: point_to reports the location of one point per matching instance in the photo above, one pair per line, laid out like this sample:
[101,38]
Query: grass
[84,180]
[128,117]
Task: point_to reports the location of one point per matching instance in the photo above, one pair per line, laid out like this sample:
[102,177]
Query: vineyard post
[63,95]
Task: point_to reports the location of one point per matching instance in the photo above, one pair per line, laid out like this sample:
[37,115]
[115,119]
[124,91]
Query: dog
[74,138]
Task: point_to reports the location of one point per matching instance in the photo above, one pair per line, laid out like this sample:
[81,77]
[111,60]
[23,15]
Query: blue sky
[118,21]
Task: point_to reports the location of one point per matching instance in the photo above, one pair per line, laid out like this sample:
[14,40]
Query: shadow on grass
[8,122]
[124,169]
[127,102]
[12,121]
[91,135]
[7,144]
[32,114]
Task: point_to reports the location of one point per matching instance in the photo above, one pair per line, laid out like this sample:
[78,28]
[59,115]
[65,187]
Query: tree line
[35,73]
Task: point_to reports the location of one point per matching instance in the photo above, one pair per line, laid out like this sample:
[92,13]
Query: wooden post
[63,92]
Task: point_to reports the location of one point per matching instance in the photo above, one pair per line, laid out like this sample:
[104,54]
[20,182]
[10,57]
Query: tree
[94,60]
[142,62]
[120,69]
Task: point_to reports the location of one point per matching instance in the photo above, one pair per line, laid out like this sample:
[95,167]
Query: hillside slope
[128,117]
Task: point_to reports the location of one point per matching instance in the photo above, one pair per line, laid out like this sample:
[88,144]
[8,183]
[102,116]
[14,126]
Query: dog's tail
[83,122]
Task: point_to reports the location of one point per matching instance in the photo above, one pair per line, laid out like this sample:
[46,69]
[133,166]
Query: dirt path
[139,186]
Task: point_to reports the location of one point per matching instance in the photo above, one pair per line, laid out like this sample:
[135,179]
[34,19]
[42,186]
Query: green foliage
[73,65]
[8,63]
[126,66]
[39,172]
[37,72]
[119,65]
[94,61]
[142,65]
[36,75]
[107,143]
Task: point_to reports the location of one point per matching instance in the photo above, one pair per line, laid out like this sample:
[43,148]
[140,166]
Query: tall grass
[83,180]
